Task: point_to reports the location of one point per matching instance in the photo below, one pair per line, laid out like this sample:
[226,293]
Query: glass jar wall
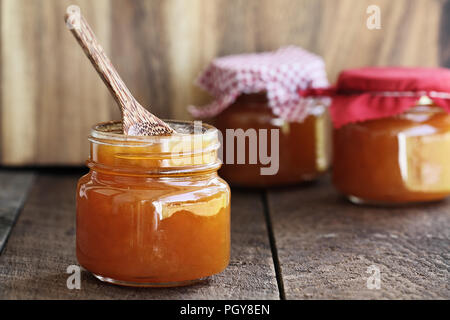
[152,211]
[304,148]
[400,159]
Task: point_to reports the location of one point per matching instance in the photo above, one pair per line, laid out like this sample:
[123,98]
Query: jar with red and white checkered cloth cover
[263,93]
[281,74]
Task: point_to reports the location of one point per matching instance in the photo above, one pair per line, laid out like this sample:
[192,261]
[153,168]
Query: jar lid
[378,92]
[280,73]
[394,79]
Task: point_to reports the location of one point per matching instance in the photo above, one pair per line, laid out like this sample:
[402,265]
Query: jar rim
[112,131]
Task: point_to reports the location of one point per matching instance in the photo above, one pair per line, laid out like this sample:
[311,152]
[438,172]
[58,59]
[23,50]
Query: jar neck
[153,171]
[181,154]
[108,177]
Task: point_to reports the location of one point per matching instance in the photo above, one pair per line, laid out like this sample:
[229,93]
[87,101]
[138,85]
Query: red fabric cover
[377,92]
[394,79]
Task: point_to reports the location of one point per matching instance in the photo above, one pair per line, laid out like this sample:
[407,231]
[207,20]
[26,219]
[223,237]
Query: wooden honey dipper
[136,120]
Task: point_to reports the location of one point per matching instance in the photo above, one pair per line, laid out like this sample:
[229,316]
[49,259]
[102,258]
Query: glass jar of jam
[152,210]
[257,96]
[396,158]
[304,147]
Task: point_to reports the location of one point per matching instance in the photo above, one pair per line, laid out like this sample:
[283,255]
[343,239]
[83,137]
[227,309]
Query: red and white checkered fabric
[280,73]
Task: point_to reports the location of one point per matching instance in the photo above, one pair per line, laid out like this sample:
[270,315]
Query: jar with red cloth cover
[392,134]
[257,102]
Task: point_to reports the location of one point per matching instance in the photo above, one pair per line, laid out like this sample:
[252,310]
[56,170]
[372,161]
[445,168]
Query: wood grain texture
[326,244]
[42,246]
[14,186]
[51,95]
[159,47]
[139,51]
[444,36]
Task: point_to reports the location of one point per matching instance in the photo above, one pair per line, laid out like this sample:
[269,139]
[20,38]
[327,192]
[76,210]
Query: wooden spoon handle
[136,120]
[94,51]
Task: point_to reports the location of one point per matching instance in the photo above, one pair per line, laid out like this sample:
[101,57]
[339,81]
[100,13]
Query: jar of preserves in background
[257,94]
[392,135]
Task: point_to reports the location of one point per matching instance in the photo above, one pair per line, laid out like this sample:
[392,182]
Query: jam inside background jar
[304,148]
[152,211]
[400,159]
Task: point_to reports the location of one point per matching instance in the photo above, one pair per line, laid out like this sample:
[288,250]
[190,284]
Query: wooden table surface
[303,242]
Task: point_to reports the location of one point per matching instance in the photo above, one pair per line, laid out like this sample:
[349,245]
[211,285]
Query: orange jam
[400,159]
[152,211]
[304,148]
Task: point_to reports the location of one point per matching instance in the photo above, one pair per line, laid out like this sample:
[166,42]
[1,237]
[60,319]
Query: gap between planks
[15,186]
[273,245]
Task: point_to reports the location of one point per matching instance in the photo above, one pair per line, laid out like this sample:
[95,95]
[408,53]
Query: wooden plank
[50,90]
[326,244]
[51,95]
[1,85]
[43,245]
[14,188]
[139,51]
[444,38]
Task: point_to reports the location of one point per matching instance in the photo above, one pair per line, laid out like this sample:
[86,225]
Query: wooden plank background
[50,95]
